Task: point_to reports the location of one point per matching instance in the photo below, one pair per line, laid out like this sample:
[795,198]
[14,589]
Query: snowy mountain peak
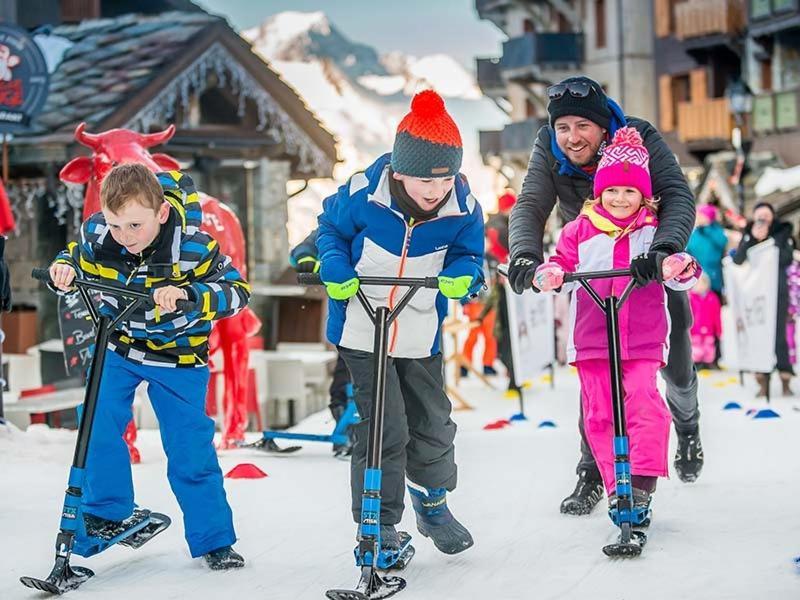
[283,34]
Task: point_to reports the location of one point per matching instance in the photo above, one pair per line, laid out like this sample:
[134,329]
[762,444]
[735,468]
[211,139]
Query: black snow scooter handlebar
[43,275]
[420,282]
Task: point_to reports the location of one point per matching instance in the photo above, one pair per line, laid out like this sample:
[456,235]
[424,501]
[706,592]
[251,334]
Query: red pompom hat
[427,143]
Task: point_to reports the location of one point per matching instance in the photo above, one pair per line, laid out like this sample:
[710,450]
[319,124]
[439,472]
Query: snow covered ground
[732,534]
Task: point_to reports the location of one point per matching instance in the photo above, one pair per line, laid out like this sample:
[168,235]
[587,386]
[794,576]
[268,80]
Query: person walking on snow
[410,213]
[562,169]
[613,228]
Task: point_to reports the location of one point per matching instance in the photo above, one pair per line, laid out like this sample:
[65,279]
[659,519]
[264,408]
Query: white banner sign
[532,326]
[748,338]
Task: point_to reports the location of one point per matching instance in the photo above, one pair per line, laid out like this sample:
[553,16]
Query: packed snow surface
[732,534]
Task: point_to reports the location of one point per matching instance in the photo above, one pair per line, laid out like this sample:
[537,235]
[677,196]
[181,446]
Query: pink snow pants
[647,416]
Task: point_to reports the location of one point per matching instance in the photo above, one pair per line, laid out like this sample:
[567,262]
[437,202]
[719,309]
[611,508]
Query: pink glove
[680,266]
[549,277]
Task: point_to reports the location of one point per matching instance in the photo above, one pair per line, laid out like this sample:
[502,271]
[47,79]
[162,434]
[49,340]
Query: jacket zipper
[406,244]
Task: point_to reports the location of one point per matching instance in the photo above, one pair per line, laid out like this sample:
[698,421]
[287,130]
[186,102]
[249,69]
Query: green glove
[307,264]
[455,287]
[343,291]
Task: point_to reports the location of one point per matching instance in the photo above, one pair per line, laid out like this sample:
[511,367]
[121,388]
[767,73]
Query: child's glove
[455,287]
[680,267]
[307,264]
[548,277]
[344,290]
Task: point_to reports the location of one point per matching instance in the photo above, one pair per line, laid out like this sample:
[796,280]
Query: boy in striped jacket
[147,238]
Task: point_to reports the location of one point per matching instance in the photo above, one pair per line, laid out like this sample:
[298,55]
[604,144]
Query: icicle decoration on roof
[272,119]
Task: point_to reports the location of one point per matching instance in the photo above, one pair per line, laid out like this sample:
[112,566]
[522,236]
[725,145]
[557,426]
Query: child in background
[618,224]
[707,327]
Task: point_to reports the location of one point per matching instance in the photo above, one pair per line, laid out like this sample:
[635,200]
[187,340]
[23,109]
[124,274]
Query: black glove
[307,264]
[647,267]
[521,272]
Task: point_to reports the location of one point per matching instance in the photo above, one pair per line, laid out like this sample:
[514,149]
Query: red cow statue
[118,146]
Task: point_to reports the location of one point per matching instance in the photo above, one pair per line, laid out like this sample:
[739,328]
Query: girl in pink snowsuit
[616,226]
[707,327]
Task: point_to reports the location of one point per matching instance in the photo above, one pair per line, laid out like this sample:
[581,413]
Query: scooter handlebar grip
[309,279]
[186,306]
[42,275]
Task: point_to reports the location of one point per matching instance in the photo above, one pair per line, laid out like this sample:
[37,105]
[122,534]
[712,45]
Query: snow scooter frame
[369,556]
[338,437]
[630,541]
[72,537]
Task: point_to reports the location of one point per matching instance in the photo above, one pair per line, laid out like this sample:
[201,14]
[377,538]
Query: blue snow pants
[178,398]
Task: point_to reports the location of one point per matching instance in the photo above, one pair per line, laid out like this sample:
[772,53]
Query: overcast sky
[416,27]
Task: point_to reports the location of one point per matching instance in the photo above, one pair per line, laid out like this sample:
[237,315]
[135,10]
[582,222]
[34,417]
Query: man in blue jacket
[410,214]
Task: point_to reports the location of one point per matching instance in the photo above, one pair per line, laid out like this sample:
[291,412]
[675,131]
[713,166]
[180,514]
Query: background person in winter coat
[305,259]
[764,225]
[561,169]
[707,245]
[616,226]
[707,326]
[409,214]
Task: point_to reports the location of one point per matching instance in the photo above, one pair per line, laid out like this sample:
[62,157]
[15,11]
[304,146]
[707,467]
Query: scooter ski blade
[158,523]
[629,549]
[371,586]
[62,579]
[269,445]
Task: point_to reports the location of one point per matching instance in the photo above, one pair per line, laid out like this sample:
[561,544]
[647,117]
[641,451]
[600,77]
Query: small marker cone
[245,471]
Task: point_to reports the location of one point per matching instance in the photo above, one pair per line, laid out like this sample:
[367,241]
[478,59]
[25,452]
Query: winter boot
[390,538]
[689,456]
[763,382]
[641,508]
[586,495]
[786,377]
[434,520]
[107,529]
[223,559]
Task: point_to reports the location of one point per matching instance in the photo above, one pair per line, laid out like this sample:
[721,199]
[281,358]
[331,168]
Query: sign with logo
[532,333]
[24,80]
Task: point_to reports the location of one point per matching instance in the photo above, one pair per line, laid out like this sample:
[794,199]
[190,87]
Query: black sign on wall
[24,80]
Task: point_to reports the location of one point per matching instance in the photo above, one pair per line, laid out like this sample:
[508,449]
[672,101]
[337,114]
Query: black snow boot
[586,495]
[223,559]
[689,456]
[435,521]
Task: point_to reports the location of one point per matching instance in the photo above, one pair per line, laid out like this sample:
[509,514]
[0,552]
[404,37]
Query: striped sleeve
[218,288]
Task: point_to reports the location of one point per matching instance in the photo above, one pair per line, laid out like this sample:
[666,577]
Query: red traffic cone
[245,471]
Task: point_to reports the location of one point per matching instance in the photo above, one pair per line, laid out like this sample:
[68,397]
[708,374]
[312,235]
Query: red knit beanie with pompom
[427,143]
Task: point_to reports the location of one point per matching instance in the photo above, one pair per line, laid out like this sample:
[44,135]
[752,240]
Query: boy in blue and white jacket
[410,214]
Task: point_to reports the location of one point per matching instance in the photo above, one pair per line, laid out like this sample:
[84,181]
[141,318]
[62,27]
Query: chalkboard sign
[77,332]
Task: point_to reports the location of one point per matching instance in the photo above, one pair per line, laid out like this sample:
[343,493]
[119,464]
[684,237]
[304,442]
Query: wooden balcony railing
[697,18]
[706,120]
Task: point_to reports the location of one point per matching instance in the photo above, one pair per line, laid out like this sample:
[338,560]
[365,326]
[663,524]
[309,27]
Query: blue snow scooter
[73,538]
[339,437]
[624,515]
[369,556]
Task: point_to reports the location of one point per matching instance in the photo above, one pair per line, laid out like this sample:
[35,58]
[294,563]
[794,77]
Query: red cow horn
[89,140]
[159,137]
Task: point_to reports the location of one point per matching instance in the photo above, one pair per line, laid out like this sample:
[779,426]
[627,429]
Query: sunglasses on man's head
[578,89]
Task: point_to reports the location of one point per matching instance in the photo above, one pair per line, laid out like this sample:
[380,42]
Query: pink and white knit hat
[624,163]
